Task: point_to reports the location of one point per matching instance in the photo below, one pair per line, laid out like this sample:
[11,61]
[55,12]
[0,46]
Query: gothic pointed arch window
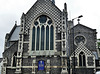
[43,34]
[82,61]
[14,59]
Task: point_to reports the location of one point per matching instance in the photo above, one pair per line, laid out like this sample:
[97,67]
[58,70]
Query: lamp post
[77,18]
[73,41]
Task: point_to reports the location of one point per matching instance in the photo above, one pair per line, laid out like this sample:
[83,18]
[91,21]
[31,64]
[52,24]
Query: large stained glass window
[44,30]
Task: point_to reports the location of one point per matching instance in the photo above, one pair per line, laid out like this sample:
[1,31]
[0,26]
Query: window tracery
[43,34]
[82,61]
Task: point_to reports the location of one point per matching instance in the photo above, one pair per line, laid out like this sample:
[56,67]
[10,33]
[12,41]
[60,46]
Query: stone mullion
[49,36]
[35,37]
[44,38]
[40,40]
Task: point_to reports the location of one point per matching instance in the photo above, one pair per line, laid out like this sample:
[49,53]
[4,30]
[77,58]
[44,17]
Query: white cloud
[90,11]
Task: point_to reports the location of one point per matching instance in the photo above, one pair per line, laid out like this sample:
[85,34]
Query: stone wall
[9,52]
[88,33]
[84,71]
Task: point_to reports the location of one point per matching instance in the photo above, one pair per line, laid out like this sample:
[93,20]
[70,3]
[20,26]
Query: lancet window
[82,61]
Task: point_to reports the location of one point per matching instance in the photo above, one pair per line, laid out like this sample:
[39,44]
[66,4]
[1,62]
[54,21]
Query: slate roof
[84,26]
[15,34]
[96,55]
[1,60]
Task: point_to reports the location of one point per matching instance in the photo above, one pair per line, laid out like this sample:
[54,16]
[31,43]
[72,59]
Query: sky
[11,11]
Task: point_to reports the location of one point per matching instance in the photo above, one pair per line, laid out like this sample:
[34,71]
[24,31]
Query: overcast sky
[11,11]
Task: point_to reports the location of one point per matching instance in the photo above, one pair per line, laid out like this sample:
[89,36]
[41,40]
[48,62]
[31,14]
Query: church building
[47,43]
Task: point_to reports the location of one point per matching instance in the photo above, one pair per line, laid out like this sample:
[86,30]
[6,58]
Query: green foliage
[98,39]
[98,44]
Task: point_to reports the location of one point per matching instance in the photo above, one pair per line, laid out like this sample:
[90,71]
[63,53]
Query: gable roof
[84,27]
[50,2]
[14,33]
[43,7]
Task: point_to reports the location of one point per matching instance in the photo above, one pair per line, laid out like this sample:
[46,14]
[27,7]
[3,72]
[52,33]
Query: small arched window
[14,59]
[43,34]
[82,61]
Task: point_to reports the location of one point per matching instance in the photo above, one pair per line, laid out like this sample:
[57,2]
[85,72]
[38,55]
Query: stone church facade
[45,41]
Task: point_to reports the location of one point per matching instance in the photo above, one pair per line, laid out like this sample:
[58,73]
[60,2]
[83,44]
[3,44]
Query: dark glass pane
[14,59]
[81,53]
[36,23]
[51,38]
[47,38]
[42,38]
[43,19]
[80,60]
[38,36]
[33,39]
[49,22]
[84,64]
